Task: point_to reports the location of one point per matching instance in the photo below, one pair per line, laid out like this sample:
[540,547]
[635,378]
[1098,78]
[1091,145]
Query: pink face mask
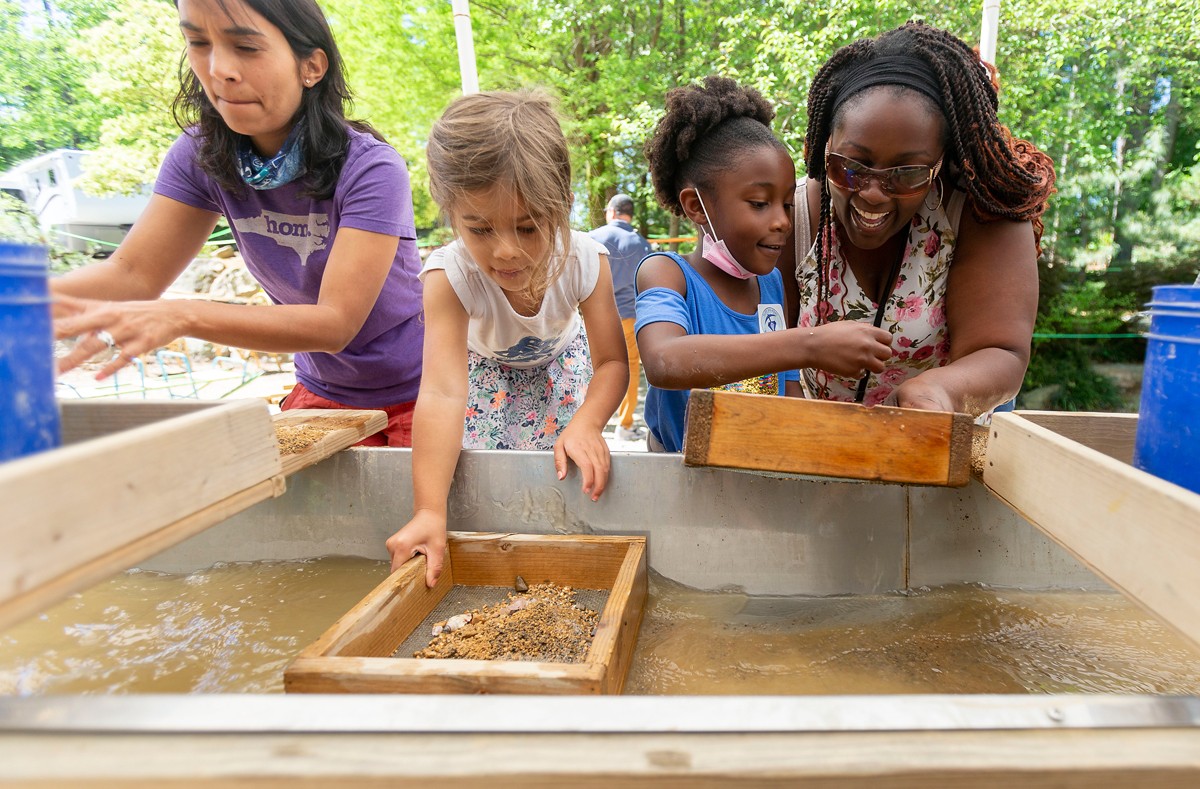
[717,253]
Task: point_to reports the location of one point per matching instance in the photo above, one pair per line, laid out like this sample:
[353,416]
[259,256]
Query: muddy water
[952,639]
[233,628]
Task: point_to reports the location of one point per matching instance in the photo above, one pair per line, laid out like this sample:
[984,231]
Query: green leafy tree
[135,54]
[43,100]
[1111,96]
[1109,92]
[610,65]
[402,66]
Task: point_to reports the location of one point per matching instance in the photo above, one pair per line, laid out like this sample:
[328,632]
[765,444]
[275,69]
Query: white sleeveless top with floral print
[916,309]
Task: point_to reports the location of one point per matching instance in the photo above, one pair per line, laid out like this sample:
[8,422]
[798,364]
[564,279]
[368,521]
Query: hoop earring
[933,208]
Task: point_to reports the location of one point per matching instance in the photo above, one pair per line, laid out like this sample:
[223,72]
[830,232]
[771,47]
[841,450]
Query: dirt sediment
[543,624]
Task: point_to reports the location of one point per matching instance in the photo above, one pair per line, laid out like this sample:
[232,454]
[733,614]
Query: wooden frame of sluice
[1053,480]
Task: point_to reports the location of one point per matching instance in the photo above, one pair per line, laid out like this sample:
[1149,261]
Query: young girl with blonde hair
[504,341]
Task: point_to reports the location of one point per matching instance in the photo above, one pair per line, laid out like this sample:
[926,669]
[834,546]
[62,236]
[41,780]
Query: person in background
[320,207]
[626,249]
[715,318]
[921,214]
[505,344]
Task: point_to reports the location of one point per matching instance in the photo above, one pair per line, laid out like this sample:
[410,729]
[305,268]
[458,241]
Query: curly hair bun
[704,129]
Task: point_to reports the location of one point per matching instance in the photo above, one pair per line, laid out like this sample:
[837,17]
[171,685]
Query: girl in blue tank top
[714,318]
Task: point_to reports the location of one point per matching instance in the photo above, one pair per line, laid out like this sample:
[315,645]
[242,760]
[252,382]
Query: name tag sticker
[770,318]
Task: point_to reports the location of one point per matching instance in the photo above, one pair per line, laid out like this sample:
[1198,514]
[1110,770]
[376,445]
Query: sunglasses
[909,179]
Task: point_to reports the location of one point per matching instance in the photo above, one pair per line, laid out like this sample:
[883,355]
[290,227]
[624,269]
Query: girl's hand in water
[424,534]
[848,348]
[130,327]
[587,447]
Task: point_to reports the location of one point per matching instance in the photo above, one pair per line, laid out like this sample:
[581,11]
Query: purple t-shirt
[285,240]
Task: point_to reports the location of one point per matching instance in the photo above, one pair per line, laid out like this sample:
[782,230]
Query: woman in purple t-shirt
[320,207]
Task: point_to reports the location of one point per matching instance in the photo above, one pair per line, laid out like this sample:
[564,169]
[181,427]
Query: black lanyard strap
[888,287]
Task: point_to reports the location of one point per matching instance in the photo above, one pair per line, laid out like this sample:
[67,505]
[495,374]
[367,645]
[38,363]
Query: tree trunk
[1125,196]
[643,225]
[599,172]
[1050,250]
[1170,132]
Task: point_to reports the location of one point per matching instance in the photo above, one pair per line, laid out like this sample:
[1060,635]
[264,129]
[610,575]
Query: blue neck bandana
[282,168]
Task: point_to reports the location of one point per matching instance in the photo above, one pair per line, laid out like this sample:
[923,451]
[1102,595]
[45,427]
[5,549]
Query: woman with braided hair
[902,135]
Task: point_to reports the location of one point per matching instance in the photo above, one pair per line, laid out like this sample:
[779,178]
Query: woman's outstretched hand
[923,394]
[589,450]
[130,327]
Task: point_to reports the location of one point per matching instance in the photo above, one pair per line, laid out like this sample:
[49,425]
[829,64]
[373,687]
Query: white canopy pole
[987,34]
[466,45]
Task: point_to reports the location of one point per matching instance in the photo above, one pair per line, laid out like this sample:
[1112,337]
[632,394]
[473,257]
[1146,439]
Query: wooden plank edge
[593,563]
[125,556]
[698,431]
[955,471]
[437,667]
[332,442]
[958,472]
[381,631]
[338,638]
[609,625]
[1114,434]
[464,537]
[72,505]
[373,418]
[1028,759]
[418,675]
[979,442]
[1169,596]
[84,420]
[85,451]
[635,583]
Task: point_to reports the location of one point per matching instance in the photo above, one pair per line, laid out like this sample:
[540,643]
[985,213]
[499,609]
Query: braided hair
[705,131]
[1005,177]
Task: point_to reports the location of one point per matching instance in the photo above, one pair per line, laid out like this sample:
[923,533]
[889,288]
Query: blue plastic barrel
[28,413]
[1169,412]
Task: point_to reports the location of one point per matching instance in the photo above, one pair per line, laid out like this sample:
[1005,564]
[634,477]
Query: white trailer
[69,216]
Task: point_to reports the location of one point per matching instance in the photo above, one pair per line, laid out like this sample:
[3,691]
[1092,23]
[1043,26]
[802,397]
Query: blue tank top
[703,312]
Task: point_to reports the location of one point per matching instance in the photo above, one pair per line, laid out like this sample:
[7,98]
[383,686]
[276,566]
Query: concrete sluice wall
[706,528]
[709,529]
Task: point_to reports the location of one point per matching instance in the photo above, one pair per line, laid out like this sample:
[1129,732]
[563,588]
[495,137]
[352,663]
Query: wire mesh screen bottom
[461,599]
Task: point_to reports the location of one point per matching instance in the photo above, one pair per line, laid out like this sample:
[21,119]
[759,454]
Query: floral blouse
[915,312]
